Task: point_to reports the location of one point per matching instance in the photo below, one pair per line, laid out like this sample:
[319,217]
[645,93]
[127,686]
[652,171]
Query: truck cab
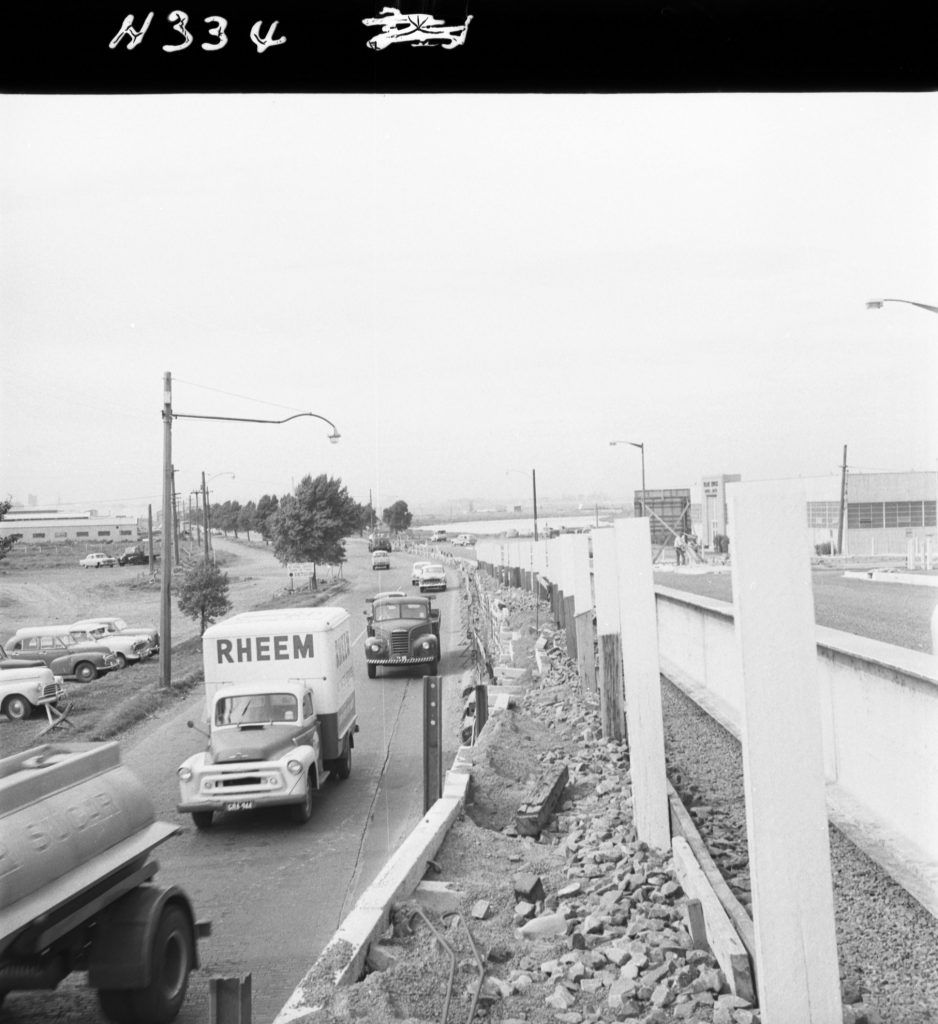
[280,705]
[402,631]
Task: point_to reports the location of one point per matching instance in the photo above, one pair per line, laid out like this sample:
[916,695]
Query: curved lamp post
[641,446]
[878,304]
[168,416]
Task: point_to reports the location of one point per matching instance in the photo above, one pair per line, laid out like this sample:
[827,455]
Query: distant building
[53,526]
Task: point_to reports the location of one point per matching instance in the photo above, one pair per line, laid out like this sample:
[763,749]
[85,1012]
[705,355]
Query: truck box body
[287,644]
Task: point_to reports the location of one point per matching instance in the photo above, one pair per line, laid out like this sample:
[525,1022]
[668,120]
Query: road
[275,892]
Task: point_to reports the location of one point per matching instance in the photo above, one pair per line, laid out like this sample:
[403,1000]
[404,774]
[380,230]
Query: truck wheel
[16,708]
[372,670]
[172,958]
[343,763]
[202,819]
[115,1005]
[85,672]
[301,813]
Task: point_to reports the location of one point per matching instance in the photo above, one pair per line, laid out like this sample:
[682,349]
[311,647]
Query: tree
[247,518]
[397,517]
[266,507]
[311,524]
[6,543]
[203,594]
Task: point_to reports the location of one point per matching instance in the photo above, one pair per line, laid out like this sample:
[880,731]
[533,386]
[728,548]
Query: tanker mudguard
[120,954]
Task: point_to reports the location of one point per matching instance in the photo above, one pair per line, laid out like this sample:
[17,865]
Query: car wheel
[121,660]
[202,819]
[372,670]
[85,672]
[16,708]
[343,764]
[301,813]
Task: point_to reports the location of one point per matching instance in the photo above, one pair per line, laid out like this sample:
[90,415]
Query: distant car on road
[96,560]
[432,577]
[415,575]
[437,536]
[380,560]
[464,540]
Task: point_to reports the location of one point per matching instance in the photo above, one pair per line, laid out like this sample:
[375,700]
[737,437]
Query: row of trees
[325,496]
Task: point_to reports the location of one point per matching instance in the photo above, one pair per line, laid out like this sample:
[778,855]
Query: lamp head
[875,304]
[334,437]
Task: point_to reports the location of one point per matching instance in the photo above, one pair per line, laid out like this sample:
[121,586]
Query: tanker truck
[77,889]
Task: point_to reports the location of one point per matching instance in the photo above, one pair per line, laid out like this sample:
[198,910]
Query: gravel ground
[887,942]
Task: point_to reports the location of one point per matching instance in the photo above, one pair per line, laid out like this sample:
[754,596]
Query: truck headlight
[184,773]
[426,645]
[295,767]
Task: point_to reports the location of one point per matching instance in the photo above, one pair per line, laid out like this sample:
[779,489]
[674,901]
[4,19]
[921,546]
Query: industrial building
[883,512]
[53,526]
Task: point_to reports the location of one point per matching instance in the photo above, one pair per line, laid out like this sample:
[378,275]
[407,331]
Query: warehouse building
[884,512]
[53,526]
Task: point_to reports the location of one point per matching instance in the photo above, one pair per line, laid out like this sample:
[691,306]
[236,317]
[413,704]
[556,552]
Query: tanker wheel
[172,958]
[372,670]
[343,763]
[202,819]
[301,813]
[85,672]
[16,708]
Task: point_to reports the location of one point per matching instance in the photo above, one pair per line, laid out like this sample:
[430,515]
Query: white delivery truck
[280,703]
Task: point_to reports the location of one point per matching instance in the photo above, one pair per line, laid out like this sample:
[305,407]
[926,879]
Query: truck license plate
[240,805]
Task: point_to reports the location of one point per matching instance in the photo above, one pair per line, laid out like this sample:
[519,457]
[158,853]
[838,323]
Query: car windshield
[254,708]
[433,568]
[401,610]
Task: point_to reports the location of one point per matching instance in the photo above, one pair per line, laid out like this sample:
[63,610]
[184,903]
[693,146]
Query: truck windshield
[254,708]
[403,610]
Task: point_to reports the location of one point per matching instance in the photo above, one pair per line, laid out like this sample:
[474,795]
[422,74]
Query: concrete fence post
[583,612]
[639,631]
[786,814]
[606,589]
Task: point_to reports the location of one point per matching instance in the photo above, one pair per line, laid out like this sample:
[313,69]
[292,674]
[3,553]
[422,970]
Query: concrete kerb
[343,959]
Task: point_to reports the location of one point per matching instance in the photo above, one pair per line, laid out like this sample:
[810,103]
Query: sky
[470,287]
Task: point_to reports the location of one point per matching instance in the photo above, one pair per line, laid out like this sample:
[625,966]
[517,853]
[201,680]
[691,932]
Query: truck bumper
[242,803]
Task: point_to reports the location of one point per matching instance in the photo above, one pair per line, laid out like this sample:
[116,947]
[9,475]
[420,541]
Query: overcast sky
[467,286]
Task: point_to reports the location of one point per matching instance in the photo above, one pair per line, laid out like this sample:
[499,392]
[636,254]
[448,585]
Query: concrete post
[606,589]
[639,631]
[786,814]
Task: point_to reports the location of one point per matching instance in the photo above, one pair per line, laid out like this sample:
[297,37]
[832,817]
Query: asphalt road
[275,892]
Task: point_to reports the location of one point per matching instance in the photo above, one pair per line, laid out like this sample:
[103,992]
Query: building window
[60,534]
[823,514]
[127,533]
[104,533]
[39,536]
[929,513]
[81,533]
[865,515]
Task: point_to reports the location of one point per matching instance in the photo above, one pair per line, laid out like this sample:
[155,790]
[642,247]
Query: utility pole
[843,504]
[166,568]
[205,517]
[175,521]
[534,489]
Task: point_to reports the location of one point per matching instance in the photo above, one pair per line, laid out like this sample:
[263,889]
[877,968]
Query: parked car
[432,577]
[415,575]
[96,560]
[136,555]
[464,540]
[437,536]
[52,646]
[380,560]
[128,647]
[26,685]
[102,624]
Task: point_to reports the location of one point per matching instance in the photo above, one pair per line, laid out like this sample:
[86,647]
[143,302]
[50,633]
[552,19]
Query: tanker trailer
[76,884]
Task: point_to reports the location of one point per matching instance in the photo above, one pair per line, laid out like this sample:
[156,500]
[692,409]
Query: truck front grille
[400,642]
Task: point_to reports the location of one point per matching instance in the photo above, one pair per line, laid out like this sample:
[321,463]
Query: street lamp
[641,446]
[878,304]
[168,416]
[533,493]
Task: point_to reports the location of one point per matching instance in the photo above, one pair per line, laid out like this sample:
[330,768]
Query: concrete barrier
[880,728]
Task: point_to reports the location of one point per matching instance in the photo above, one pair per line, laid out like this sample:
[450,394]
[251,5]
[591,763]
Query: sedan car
[415,575]
[83,662]
[104,624]
[126,648]
[96,560]
[432,577]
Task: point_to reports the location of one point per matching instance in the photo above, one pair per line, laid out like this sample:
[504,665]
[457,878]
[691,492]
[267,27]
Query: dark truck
[402,631]
[78,888]
[379,542]
[136,555]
